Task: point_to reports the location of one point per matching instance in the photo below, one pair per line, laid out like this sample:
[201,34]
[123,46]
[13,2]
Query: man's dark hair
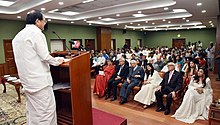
[33,16]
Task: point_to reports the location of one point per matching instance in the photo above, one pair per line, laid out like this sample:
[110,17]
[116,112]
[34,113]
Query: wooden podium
[74,104]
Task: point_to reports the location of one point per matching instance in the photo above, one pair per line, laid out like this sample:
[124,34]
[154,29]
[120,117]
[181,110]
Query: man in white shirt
[32,60]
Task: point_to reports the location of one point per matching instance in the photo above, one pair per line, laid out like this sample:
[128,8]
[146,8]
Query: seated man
[136,74]
[170,84]
[120,74]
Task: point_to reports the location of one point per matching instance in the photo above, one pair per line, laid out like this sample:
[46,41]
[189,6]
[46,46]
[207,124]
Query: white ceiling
[153,17]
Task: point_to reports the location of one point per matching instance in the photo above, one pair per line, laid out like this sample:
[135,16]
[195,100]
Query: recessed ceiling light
[199,4]
[153,23]
[155,27]
[71,22]
[164,20]
[210,21]
[138,15]
[6,3]
[166,8]
[87,1]
[139,24]
[49,20]
[84,20]
[146,21]
[203,11]
[69,13]
[90,24]
[100,17]
[18,17]
[188,28]
[131,23]
[166,29]
[187,20]
[133,28]
[107,19]
[117,14]
[53,11]
[141,29]
[61,3]
[176,29]
[125,28]
[180,25]
[169,21]
[184,18]
[117,24]
[42,9]
[125,25]
[139,12]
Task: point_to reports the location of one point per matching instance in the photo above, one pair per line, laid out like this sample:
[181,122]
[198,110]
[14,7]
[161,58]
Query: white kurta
[32,60]
[146,94]
[195,106]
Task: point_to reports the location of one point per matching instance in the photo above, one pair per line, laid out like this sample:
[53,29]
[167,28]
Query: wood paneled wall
[104,35]
[2,71]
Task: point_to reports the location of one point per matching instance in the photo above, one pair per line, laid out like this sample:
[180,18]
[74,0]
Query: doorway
[128,42]
[90,44]
[178,42]
[113,44]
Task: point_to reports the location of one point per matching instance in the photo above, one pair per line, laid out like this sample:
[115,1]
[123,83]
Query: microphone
[69,51]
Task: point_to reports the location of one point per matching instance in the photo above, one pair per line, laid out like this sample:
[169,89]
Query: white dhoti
[41,107]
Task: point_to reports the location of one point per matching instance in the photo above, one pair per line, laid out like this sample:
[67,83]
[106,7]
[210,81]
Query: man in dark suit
[121,73]
[171,83]
[136,74]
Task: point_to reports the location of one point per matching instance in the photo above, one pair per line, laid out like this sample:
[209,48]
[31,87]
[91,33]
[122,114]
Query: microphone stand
[69,51]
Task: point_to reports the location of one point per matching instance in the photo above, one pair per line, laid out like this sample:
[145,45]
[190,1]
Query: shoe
[123,101]
[113,98]
[160,109]
[146,106]
[167,112]
[107,97]
[217,79]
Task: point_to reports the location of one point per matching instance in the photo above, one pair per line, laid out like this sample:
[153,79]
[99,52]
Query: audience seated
[136,74]
[197,99]
[151,81]
[120,74]
[170,84]
[102,78]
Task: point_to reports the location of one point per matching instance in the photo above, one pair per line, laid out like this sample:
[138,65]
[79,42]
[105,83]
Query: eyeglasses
[45,21]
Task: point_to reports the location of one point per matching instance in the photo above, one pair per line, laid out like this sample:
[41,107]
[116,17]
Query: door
[128,42]
[178,43]
[90,44]
[9,58]
[113,44]
[140,44]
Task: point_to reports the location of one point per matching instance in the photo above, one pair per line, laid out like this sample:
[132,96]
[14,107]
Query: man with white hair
[121,72]
[171,83]
[136,74]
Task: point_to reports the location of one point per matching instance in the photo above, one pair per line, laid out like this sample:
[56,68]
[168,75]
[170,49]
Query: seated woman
[102,78]
[197,99]
[152,80]
[191,70]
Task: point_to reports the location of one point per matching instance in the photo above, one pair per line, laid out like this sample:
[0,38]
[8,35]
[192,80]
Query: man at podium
[32,60]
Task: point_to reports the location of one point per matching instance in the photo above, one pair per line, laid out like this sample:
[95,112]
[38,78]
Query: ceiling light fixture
[87,1]
[138,15]
[84,20]
[42,9]
[18,17]
[203,11]
[71,22]
[153,23]
[164,20]
[90,24]
[117,14]
[100,17]
[107,19]
[6,3]
[69,13]
[166,8]
[139,24]
[139,12]
[146,21]
[49,20]
[184,18]
[187,20]
[210,21]
[61,3]
[199,4]
[117,24]
[169,21]
[52,11]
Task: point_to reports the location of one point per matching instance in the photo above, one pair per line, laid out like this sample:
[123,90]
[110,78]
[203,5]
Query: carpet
[11,112]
